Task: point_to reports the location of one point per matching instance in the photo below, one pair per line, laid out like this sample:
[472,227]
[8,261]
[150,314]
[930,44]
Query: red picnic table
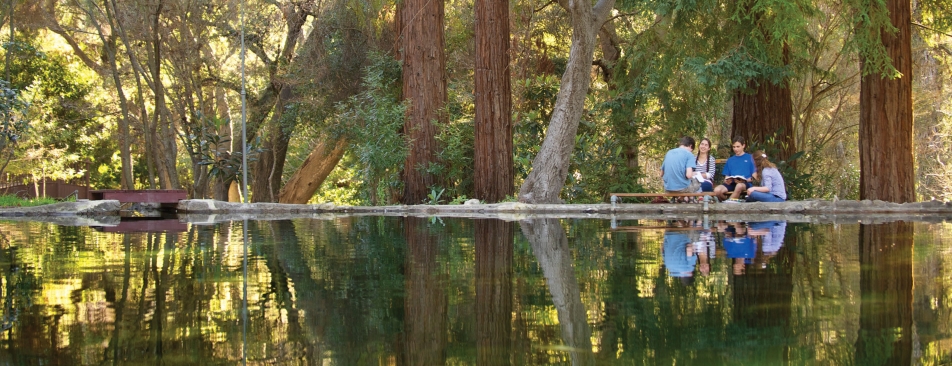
[162,196]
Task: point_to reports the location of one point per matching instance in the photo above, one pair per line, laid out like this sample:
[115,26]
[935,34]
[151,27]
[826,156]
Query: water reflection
[551,249]
[886,330]
[392,290]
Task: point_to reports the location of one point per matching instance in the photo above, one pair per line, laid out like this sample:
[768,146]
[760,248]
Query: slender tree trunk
[126,180]
[767,111]
[493,178]
[266,177]
[309,177]
[886,283]
[887,167]
[494,240]
[424,86]
[551,166]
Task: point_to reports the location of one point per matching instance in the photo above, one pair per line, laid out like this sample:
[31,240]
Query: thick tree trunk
[887,167]
[425,302]
[551,166]
[886,282]
[494,240]
[424,86]
[312,173]
[768,111]
[493,178]
[551,249]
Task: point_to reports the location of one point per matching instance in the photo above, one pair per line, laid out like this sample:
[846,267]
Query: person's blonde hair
[761,161]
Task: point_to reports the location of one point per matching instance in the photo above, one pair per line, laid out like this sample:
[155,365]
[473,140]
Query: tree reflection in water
[551,249]
[399,291]
[886,332]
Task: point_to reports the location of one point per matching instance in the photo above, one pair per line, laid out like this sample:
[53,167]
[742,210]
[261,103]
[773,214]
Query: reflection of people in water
[679,256]
[704,249]
[772,232]
[739,246]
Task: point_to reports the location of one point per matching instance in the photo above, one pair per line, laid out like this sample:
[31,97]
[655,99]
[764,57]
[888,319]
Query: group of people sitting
[684,172]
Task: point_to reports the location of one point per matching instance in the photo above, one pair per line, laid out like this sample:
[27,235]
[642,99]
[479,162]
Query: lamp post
[244,138]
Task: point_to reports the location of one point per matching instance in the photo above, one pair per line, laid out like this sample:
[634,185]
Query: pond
[432,291]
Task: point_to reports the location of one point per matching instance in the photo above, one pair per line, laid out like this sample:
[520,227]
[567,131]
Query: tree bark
[424,86]
[493,178]
[886,282]
[767,111]
[309,177]
[268,168]
[887,167]
[550,167]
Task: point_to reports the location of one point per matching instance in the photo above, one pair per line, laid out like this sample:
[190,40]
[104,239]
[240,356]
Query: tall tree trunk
[887,167]
[424,86]
[886,282]
[767,111]
[312,173]
[493,178]
[425,304]
[551,166]
[126,180]
[494,240]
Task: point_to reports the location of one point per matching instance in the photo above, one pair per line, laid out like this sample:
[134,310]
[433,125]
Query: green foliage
[372,120]
[13,123]
[433,198]
[12,200]
[870,21]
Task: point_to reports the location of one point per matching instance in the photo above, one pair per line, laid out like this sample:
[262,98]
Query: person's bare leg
[721,192]
[738,189]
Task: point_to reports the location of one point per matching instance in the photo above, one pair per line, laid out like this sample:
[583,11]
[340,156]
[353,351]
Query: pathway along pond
[433,291]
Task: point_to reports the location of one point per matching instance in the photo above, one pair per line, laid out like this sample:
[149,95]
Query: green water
[416,291]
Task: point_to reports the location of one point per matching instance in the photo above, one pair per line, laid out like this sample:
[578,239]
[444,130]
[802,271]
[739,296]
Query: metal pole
[10,49]
[244,138]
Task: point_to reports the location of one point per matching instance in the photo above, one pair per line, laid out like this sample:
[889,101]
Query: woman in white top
[705,165]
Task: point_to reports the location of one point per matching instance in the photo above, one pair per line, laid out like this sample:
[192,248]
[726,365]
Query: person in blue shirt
[677,169]
[738,172]
[678,254]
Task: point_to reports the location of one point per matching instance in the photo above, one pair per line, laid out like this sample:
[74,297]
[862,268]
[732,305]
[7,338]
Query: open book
[736,178]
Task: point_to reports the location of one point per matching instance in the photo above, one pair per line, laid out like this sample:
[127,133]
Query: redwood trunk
[768,111]
[887,168]
[424,87]
[493,141]
[309,177]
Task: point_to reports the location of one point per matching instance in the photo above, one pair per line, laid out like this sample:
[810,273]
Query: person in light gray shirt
[772,187]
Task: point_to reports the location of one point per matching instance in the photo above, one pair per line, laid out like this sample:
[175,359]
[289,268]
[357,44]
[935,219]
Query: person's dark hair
[739,139]
[687,141]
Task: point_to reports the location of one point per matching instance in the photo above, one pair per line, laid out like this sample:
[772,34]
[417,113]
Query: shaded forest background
[378,102]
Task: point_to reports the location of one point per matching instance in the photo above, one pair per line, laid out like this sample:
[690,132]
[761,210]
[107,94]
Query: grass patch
[10,200]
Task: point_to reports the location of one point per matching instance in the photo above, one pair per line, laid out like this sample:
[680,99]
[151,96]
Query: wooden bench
[616,197]
[162,196]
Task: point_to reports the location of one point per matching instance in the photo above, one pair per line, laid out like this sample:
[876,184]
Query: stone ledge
[77,208]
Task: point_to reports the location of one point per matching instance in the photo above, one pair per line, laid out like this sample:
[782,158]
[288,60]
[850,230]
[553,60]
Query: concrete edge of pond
[106,212]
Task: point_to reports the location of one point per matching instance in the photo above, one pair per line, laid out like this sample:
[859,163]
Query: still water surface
[419,291]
